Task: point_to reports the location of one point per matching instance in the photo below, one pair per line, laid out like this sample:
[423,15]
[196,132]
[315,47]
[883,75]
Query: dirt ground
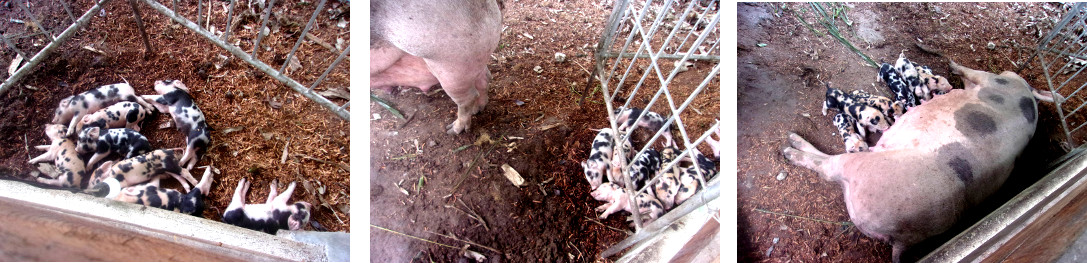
[782,68]
[427,184]
[252,117]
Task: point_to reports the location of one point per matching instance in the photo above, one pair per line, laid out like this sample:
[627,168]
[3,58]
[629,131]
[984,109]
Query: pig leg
[802,153]
[462,84]
[205,181]
[189,158]
[971,79]
[153,101]
[76,124]
[95,158]
[43,147]
[271,192]
[285,195]
[238,201]
[613,207]
[47,156]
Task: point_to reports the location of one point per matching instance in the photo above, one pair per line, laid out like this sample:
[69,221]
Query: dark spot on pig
[125,167]
[962,169]
[988,95]
[1027,105]
[973,120]
[153,199]
[1000,80]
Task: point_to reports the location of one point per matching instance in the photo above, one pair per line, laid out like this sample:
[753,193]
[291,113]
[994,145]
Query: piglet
[847,128]
[270,216]
[628,117]
[868,116]
[888,74]
[174,98]
[72,109]
[618,198]
[151,194]
[123,141]
[64,155]
[120,115]
[835,99]
[644,166]
[599,157]
[109,180]
[688,185]
[912,78]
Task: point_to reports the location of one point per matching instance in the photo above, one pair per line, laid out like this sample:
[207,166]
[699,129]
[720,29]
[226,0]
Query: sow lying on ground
[936,161]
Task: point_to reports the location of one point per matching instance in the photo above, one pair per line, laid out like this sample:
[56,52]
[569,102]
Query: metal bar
[263,25]
[330,67]
[143,33]
[199,10]
[711,192]
[1060,111]
[174,8]
[344,106]
[612,25]
[11,45]
[67,9]
[229,19]
[630,38]
[40,56]
[255,63]
[302,36]
[37,23]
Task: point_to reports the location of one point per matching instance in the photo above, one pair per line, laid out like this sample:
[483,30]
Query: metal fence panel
[1063,57]
[644,46]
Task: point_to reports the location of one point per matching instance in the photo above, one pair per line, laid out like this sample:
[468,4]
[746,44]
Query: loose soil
[253,117]
[427,184]
[782,68]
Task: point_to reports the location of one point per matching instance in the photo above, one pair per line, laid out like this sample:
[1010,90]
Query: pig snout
[405,51]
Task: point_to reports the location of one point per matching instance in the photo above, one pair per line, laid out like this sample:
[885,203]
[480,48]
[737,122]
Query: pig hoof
[455,128]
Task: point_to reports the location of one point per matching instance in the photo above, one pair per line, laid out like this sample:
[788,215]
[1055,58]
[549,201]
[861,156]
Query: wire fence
[644,47]
[1063,57]
[205,30]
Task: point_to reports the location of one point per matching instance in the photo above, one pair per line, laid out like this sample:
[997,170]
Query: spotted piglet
[890,109]
[618,198]
[912,78]
[644,166]
[120,115]
[599,158]
[174,98]
[63,153]
[668,181]
[72,109]
[937,85]
[270,216]
[888,74]
[110,178]
[835,99]
[151,194]
[123,141]
[868,117]
[847,128]
[628,117]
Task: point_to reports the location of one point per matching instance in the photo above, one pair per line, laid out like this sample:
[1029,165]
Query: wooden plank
[32,233]
[1046,238]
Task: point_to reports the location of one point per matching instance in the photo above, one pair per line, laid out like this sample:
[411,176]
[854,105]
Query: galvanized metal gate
[660,39]
[1063,56]
[222,40]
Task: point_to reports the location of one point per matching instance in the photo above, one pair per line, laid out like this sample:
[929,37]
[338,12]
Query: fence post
[143,33]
